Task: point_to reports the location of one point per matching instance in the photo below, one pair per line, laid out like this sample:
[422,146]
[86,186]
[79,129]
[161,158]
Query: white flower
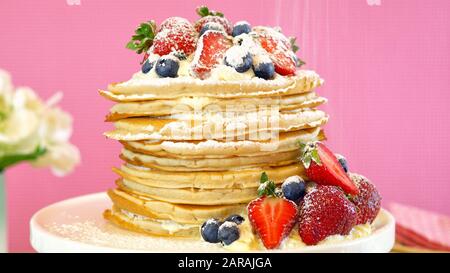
[28,124]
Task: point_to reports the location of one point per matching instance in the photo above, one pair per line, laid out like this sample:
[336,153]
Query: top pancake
[138,89]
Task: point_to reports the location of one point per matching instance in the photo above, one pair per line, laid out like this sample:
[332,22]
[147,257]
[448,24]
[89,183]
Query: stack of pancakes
[195,149]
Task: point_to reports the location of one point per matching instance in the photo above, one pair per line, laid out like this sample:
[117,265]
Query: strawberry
[211,16]
[175,39]
[213,19]
[368,201]
[323,212]
[175,22]
[175,34]
[322,167]
[279,49]
[271,217]
[210,51]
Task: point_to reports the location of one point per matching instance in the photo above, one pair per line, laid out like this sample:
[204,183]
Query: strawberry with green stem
[322,167]
[211,16]
[272,217]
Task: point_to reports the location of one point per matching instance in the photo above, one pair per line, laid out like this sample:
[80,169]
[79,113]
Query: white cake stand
[76,225]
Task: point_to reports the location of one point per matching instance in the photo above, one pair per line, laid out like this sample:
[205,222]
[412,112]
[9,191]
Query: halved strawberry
[211,49]
[272,218]
[368,201]
[279,49]
[325,211]
[322,167]
[175,39]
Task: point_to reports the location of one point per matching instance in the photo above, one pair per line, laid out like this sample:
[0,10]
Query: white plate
[77,225]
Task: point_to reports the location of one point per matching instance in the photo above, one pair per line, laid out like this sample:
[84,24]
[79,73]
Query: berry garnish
[263,67]
[271,217]
[211,26]
[342,161]
[142,40]
[228,232]
[167,66]
[322,167]
[209,230]
[211,49]
[240,28]
[279,49]
[208,16]
[174,22]
[236,218]
[147,66]
[368,201]
[175,39]
[239,58]
[293,188]
[323,212]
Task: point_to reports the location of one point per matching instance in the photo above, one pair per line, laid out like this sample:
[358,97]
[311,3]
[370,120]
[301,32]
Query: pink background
[386,69]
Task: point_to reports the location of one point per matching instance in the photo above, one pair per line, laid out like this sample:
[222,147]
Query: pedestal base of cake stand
[76,225]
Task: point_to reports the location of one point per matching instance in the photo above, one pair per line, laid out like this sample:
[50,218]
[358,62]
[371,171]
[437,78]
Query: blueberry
[211,26]
[238,58]
[236,218]
[294,188]
[147,66]
[241,27]
[342,161]
[209,230]
[167,66]
[228,232]
[263,67]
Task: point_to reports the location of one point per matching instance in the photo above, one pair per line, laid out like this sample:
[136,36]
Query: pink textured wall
[386,69]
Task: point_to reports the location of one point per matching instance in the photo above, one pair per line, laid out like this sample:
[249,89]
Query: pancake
[221,149]
[185,214]
[185,104]
[246,127]
[209,164]
[139,89]
[248,178]
[150,226]
[190,196]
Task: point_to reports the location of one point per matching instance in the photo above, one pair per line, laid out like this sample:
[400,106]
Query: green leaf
[315,157]
[9,160]
[264,178]
[293,42]
[203,11]
[267,188]
[143,39]
[307,161]
[299,62]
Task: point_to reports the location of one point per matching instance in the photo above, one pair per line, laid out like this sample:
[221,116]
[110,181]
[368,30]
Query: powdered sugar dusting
[108,235]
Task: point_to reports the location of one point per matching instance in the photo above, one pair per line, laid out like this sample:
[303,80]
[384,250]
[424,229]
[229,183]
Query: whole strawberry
[210,16]
[176,39]
[272,217]
[174,22]
[174,35]
[322,167]
[368,201]
[323,212]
